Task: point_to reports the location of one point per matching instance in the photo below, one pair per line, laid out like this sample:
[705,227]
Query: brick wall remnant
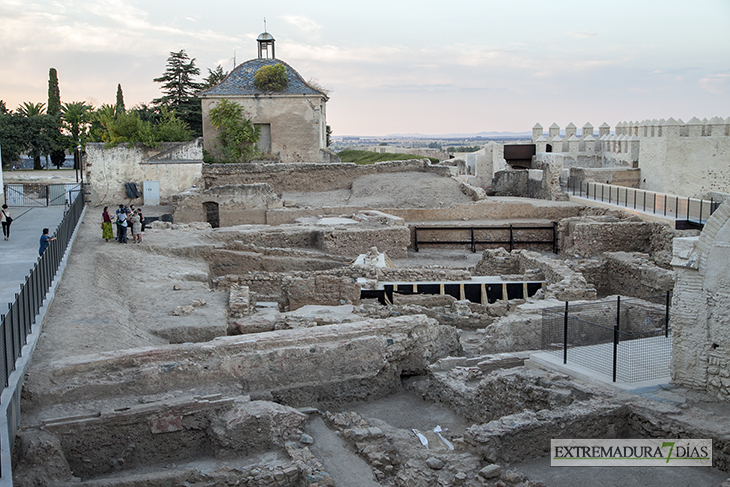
[700,318]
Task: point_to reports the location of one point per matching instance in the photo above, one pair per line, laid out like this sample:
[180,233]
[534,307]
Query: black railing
[505,236]
[687,212]
[628,340]
[15,325]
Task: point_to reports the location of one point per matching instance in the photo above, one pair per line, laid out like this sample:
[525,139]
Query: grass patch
[367,157]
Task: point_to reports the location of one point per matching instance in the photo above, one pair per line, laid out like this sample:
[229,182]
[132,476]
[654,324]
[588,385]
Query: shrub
[271,78]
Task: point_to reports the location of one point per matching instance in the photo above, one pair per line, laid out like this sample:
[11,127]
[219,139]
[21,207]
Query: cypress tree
[54,94]
[119,108]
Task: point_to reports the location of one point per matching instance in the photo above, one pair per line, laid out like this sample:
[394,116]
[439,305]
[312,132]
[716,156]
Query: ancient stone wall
[589,237]
[628,274]
[243,204]
[176,166]
[309,177]
[700,318]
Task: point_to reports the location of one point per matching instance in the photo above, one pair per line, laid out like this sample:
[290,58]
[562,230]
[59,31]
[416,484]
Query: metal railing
[694,212]
[628,340]
[508,236]
[40,195]
[15,325]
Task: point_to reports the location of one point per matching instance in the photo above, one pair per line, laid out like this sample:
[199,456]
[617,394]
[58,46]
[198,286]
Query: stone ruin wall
[701,318]
[176,166]
[309,177]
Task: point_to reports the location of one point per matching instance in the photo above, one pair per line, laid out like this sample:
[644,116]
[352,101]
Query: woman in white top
[6,220]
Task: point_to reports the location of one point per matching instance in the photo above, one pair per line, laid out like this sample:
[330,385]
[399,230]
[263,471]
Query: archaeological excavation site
[390,324]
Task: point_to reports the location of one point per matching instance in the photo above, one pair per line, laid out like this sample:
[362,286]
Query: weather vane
[265,24]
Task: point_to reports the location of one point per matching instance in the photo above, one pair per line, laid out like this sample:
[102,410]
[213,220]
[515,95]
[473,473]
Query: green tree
[13,136]
[76,117]
[179,90]
[237,135]
[54,93]
[4,109]
[97,121]
[119,107]
[328,135]
[214,78]
[129,128]
[271,78]
[30,109]
[60,141]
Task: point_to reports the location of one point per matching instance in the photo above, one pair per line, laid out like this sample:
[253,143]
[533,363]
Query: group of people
[125,218]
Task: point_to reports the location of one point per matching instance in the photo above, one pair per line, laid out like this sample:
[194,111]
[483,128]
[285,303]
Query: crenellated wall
[683,158]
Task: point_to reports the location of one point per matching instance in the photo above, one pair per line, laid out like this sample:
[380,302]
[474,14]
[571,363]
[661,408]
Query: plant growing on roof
[237,135]
[271,78]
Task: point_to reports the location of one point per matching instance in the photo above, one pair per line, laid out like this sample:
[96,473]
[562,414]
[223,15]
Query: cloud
[717,84]
[304,24]
[584,34]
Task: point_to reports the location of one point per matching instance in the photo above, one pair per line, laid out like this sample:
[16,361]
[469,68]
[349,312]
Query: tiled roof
[240,81]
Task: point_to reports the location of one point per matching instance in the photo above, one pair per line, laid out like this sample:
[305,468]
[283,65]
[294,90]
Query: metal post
[676,207]
[665,205]
[415,236]
[555,237]
[653,204]
[616,336]
[610,192]
[601,192]
[565,335]
[644,201]
[666,317]
[634,199]
[511,239]
[473,244]
[701,204]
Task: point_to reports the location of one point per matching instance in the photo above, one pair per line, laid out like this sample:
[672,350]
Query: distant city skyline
[395,67]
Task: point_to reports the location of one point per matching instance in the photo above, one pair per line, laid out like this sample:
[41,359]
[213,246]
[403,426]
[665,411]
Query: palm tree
[76,117]
[30,109]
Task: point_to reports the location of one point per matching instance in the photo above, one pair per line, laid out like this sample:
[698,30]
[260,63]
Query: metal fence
[628,340]
[40,195]
[15,325]
[480,237]
[691,210]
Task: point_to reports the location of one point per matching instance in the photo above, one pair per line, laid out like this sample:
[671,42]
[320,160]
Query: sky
[397,66]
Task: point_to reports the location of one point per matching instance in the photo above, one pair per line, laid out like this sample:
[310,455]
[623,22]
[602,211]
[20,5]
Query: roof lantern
[266,41]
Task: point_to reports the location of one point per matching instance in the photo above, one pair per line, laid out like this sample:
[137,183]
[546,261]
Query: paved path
[19,254]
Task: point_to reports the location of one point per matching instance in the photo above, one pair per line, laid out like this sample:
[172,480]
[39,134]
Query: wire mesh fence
[628,340]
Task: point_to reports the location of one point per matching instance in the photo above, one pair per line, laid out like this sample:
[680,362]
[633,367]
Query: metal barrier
[688,212]
[15,325]
[510,236]
[40,195]
[628,340]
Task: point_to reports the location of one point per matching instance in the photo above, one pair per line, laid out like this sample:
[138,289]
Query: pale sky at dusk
[395,66]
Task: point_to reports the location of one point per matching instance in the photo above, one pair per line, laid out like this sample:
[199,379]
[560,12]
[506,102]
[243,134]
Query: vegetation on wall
[367,157]
[237,135]
[271,78]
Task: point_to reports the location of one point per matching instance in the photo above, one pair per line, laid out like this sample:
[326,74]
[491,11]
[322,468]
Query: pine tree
[57,152]
[179,90]
[119,107]
[214,77]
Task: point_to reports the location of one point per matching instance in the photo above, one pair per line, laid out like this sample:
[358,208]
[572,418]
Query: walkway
[20,253]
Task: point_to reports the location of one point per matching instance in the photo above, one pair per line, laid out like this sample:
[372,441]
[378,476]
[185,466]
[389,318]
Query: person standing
[122,223]
[45,238]
[136,227]
[106,225]
[6,220]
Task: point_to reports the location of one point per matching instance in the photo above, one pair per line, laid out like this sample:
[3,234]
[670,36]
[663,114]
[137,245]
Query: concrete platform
[19,254]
